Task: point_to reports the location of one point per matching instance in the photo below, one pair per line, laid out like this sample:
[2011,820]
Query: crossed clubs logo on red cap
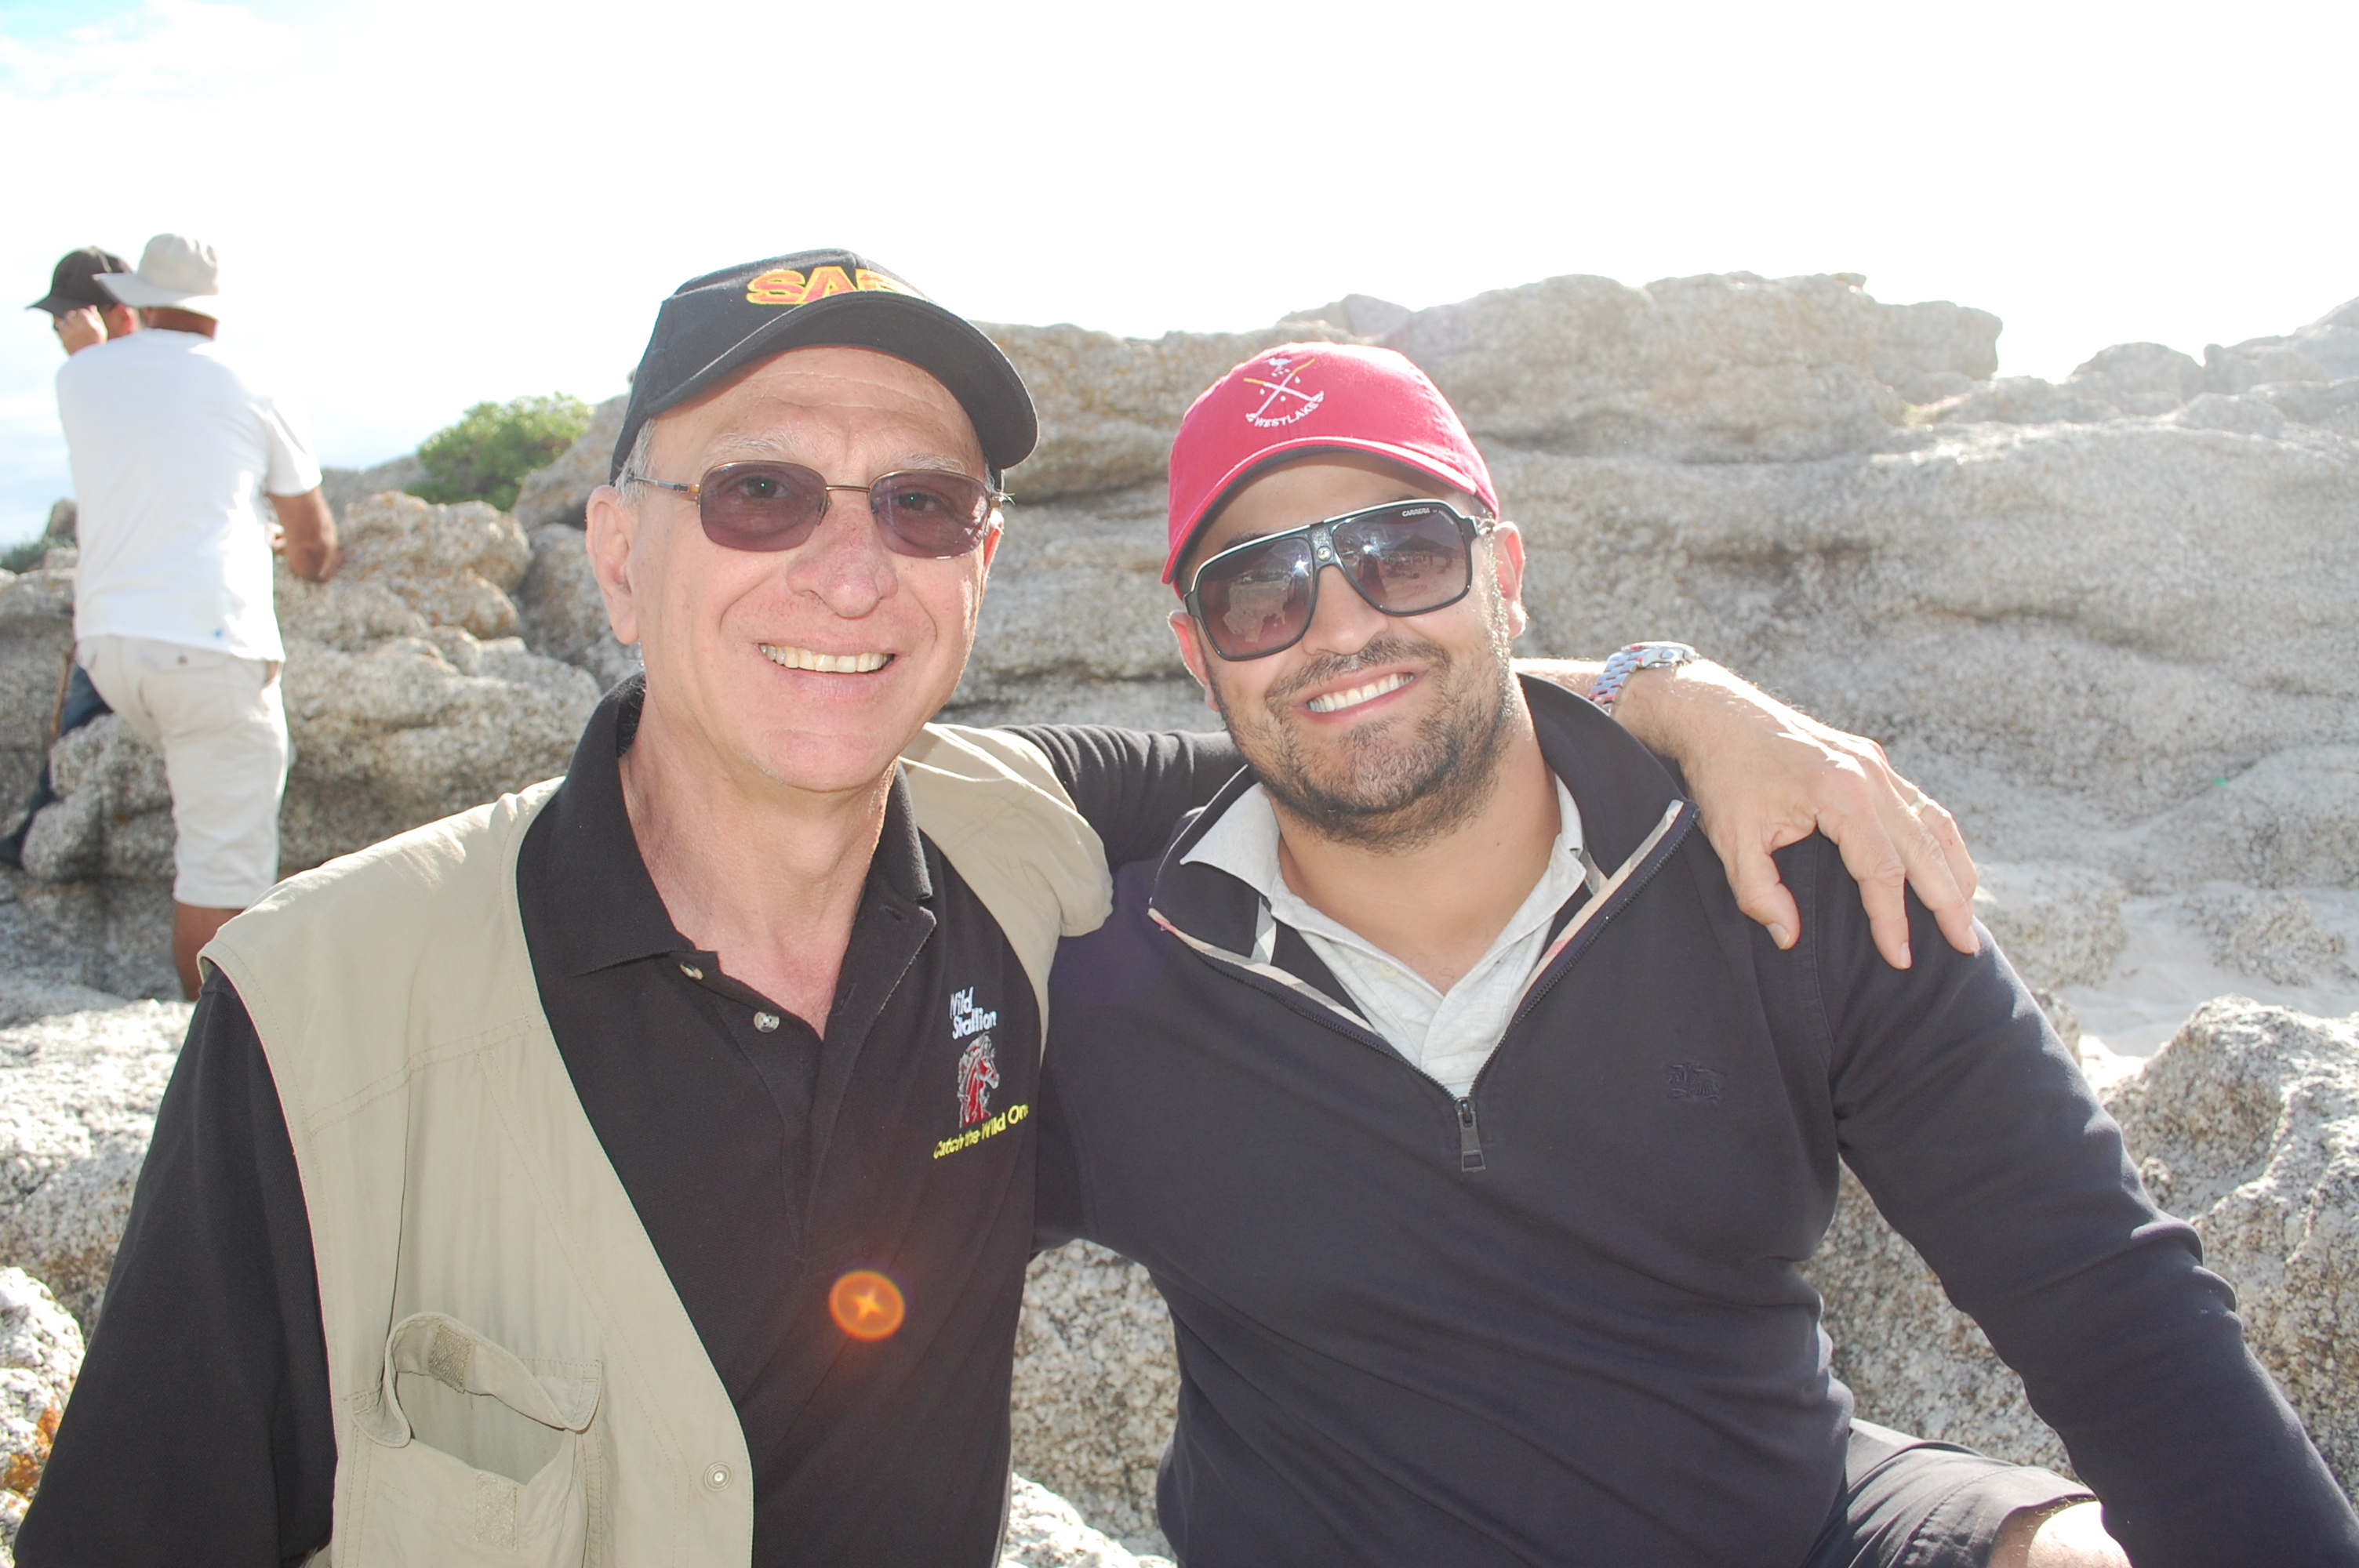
[1283,400]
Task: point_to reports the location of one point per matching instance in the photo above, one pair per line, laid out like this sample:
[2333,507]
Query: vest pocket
[470,1455]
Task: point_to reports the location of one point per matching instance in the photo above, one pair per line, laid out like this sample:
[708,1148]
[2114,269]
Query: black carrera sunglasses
[1404,557]
[774,506]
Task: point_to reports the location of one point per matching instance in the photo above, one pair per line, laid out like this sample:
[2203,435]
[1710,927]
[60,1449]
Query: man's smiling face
[1374,730]
[813,666]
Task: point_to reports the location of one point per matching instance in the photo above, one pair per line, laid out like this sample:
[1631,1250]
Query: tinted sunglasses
[1404,557]
[774,506]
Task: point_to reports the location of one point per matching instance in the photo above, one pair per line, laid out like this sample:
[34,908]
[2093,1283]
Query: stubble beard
[1389,791]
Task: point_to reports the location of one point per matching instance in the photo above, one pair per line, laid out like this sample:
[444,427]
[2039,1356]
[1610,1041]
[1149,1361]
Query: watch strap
[1626,662]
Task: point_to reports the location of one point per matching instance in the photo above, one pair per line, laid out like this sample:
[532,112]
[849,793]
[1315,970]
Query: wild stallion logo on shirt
[978,1074]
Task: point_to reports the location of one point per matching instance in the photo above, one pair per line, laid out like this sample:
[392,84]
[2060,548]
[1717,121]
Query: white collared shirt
[1447,1035]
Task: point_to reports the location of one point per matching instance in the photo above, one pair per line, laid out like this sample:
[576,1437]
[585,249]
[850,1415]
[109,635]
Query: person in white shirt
[172,452]
[82,314]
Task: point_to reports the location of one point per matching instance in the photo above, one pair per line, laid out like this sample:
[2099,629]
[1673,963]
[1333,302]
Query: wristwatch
[1629,661]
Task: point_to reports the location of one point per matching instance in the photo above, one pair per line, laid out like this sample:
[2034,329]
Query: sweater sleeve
[1132,787]
[1970,1124]
[201,1425]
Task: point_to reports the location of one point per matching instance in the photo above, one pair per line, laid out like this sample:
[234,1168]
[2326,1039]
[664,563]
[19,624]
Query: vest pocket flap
[559,1394]
[473,1454]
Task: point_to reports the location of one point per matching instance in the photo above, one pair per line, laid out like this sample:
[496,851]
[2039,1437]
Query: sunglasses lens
[931,515]
[761,506]
[1406,561]
[1257,599]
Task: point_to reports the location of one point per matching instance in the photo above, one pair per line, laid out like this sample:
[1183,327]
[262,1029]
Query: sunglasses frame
[1324,554]
[694,490]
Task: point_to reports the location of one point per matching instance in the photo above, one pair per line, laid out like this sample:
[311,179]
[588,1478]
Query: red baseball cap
[1309,398]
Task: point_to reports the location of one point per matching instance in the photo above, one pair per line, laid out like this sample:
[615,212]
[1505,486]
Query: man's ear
[611,536]
[1508,556]
[1192,654]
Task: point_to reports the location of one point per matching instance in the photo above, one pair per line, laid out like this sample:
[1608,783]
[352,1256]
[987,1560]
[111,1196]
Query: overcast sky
[425,204]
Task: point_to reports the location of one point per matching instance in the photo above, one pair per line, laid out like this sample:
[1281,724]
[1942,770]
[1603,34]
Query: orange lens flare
[866,1305]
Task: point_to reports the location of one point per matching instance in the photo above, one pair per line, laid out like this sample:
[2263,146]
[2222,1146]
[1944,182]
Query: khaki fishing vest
[515,1379]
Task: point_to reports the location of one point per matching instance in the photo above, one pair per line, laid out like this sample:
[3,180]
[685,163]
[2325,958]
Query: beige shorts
[222,725]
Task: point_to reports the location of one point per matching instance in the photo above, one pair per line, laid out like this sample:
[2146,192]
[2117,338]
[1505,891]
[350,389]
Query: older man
[640,1169]
[1475,1138]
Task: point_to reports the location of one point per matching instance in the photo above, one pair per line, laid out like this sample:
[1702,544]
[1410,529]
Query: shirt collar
[1244,842]
[602,907]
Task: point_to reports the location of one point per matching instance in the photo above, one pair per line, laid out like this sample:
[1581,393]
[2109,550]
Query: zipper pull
[1469,1137]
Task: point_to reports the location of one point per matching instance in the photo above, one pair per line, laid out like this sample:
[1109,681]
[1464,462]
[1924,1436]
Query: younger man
[1474,1135]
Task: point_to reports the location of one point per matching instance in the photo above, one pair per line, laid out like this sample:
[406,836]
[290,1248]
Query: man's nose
[1341,621]
[844,563]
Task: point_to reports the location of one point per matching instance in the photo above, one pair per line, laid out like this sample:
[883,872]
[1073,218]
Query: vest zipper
[1469,1137]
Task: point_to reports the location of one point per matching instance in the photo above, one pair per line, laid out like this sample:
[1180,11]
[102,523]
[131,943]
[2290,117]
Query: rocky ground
[2110,620]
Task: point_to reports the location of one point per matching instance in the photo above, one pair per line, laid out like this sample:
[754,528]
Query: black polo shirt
[764,1160]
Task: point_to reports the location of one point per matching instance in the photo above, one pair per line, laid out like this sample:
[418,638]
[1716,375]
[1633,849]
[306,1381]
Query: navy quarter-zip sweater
[1560,1321]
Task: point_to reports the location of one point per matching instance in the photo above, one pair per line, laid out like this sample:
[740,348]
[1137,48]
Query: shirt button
[691,972]
[716,1478]
[765,1022]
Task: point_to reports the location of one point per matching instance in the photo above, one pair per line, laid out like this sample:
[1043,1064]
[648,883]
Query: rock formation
[2049,622]
[2058,923]
[344,486]
[36,642]
[1044,1531]
[40,1355]
[1096,1386]
[561,493]
[2110,620]
[408,696]
[77,1095]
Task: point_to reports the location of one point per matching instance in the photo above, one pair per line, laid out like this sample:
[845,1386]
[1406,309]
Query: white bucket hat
[174,270]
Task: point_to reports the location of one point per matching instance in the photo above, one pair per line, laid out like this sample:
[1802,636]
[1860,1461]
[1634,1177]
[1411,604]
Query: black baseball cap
[71,287]
[715,326]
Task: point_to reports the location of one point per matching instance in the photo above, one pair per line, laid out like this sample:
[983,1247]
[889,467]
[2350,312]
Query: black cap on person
[715,326]
[71,285]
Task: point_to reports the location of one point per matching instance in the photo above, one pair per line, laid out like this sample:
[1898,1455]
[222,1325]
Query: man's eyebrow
[762,443]
[935,462]
[755,441]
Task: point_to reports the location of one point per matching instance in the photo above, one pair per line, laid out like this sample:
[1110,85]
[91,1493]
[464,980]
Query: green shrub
[24,557]
[487,453]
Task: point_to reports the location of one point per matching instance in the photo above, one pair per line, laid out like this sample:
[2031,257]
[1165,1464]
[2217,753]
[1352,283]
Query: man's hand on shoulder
[1766,776]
